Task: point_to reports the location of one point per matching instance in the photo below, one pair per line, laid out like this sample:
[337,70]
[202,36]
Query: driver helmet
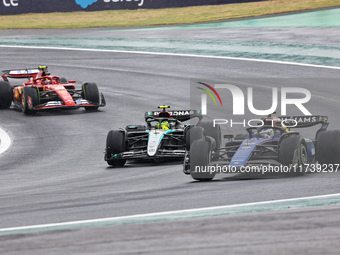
[274,122]
[163,125]
[267,133]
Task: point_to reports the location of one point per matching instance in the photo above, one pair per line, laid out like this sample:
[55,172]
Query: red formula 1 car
[42,91]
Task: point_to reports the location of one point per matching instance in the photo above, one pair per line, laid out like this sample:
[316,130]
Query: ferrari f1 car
[270,144]
[163,136]
[42,91]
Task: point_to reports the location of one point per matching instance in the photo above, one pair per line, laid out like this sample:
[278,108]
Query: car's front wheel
[212,130]
[200,157]
[115,144]
[30,99]
[91,93]
[191,134]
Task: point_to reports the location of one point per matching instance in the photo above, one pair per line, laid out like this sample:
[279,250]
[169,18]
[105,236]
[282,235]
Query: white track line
[174,54]
[282,204]
[5,141]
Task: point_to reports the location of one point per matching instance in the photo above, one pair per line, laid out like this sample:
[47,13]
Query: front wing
[142,154]
[138,146]
[80,102]
[59,105]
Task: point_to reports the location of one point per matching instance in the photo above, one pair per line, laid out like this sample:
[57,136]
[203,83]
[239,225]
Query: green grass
[144,17]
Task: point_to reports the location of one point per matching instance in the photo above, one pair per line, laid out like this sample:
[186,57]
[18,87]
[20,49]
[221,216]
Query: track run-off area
[54,178]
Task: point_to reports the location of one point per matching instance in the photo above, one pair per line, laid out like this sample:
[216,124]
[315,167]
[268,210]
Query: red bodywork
[52,93]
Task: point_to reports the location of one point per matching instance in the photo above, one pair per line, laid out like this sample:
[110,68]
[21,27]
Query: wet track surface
[55,172]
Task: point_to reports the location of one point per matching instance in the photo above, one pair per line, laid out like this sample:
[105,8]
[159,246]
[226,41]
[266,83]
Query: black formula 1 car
[271,146]
[163,136]
[42,91]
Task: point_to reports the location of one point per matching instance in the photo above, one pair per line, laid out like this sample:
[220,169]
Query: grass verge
[144,17]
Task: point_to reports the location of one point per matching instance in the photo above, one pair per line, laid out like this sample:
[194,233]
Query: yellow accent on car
[165,125]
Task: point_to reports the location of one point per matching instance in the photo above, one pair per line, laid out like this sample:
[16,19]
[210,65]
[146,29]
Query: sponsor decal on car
[177,113]
[16,94]
[82,101]
[29,103]
[53,103]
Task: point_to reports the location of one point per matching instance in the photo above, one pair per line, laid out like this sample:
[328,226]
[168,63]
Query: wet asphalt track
[54,171]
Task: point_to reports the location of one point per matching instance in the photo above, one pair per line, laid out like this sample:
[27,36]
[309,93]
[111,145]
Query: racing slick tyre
[6,95]
[200,157]
[191,134]
[63,80]
[115,143]
[91,93]
[328,147]
[30,98]
[214,132]
[293,152]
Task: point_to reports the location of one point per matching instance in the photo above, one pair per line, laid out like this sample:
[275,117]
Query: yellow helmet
[165,125]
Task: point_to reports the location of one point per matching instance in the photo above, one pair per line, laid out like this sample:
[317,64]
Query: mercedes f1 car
[270,144]
[42,91]
[163,136]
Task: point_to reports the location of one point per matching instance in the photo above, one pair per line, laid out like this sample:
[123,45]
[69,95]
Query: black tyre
[115,144]
[293,152]
[6,95]
[200,157]
[63,80]
[30,98]
[191,134]
[214,132]
[91,94]
[328,147]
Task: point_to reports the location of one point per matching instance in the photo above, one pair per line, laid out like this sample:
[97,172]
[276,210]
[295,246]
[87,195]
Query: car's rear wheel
[293,152]
[200,157]
[30,98]
[328,147]
[6,95]
[91,94]
[63,80]
[115,144]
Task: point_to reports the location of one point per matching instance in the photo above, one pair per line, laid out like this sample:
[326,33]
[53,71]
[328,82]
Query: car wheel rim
[23,101]
[304,154]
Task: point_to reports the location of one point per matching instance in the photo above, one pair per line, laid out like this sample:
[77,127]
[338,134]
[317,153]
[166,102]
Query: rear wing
[181,115]
[306,121]
[303,121]
[20,73]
